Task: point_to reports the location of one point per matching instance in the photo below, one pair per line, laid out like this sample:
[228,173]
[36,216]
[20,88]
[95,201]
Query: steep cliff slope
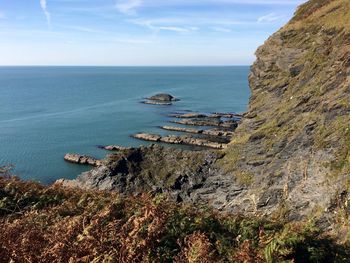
[292,150]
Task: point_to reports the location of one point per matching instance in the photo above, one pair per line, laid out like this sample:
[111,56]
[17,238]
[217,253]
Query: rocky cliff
[290,155]
[293,146]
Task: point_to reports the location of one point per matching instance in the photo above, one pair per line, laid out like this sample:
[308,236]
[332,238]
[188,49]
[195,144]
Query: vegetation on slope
[294,144]
[54,224]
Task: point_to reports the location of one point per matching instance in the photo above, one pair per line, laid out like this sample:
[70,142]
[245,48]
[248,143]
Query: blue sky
[137,32]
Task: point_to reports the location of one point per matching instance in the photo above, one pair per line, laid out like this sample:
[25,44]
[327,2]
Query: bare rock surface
[82,159]
[186,140]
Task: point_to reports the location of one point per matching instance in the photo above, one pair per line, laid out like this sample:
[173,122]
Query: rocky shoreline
[217,137]
[180,173]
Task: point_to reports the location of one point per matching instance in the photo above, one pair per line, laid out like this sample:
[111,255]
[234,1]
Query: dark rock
[296,70]
[163,97]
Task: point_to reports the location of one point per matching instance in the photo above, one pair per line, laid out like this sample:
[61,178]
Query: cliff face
[292,150]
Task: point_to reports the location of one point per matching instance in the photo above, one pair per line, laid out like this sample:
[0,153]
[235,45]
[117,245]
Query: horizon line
[240,65]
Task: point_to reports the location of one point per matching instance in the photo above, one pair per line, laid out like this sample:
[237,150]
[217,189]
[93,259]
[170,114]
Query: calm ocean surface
[46,112]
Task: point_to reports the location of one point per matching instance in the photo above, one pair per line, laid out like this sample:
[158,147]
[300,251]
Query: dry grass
[52,224]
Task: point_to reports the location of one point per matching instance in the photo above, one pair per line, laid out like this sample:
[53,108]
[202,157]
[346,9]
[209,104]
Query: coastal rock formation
[230,124]
[161,99]
[209,132]
[114,148]
[190,115]
[153,168]
[290,156]
[216,115]
[186,140]
[82,159]
[293,145]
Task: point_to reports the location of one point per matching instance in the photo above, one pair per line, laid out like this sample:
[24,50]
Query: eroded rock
[82,159]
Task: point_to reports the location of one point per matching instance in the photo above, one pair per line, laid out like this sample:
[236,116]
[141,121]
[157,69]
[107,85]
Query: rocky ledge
[209,132]
[185,140]
[115,148]
[216,122]
[82,159]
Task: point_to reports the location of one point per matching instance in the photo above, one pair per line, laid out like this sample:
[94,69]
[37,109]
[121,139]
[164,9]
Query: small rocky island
[161,99]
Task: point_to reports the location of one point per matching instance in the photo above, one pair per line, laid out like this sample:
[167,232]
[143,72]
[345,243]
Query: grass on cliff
[53,224]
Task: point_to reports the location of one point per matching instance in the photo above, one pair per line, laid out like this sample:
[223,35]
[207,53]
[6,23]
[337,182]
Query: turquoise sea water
[46,112]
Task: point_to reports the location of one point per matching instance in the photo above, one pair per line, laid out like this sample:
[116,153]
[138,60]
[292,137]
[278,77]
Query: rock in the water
[230,124]
[114,148]
[156,102]
[186,140]
[189,115]
[163,97]
[82,159]
[209,132]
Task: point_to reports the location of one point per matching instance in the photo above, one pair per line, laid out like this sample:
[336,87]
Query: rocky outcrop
[161,99]
[82,159]
[115,148]
[186,140]
[190,115]
[216,122]
[150,169]
[209,132]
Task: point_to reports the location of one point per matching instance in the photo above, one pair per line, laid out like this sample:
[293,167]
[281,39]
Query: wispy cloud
[43,5]
[128,7]
[269,18]
[160,25]
[85,29]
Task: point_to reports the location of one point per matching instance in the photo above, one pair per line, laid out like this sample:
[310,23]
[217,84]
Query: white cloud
[269,18]
[43,5]
[128,6]
[160,25]
[177,29]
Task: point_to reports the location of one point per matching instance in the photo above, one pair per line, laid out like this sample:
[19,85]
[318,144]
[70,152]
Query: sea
[46,112]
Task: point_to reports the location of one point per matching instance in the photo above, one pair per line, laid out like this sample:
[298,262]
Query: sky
[138,32]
